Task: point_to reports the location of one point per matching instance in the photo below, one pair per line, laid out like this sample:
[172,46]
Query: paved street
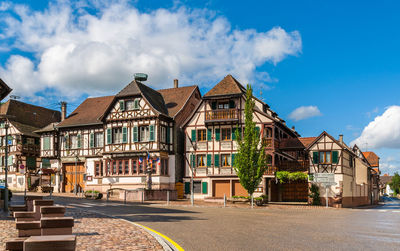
[294,228]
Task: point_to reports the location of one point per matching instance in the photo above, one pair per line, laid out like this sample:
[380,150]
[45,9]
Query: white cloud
[304,112]
[383,131]
[79,52]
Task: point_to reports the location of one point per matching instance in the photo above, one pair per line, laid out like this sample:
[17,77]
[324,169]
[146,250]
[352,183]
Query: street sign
[324,177]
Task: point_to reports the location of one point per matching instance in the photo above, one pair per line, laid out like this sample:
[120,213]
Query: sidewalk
[95,232]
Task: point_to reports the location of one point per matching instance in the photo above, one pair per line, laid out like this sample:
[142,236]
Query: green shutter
[335,157]
[209,134]
[108,135]
[233,159]
[124,135]
[217,134]
[315,157]
[193,160]
[204,186]
[193,135]
[122,105]
[92,140]
[233,133]
[213,105]
[136,104]
[187,187]
[24,141]
[31,162]
[208,160]
[231,104]
[135,134]
[216,160]
[10,160]
[66,141]
[168,135]
[257,131]
[78,138]
[1,160]
[151,132]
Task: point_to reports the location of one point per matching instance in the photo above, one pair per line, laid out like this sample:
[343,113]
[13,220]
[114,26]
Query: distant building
[23,143]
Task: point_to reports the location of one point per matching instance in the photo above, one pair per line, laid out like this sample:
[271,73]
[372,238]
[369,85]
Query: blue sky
[338,57]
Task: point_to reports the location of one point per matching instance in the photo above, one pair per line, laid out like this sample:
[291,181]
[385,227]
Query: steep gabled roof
[88,113]
[341,144]
[227,86]
[154,98]
[28,118]
[372,158]
[176,98]
[306,141]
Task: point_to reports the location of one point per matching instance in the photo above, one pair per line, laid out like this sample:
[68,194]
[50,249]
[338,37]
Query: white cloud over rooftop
[77,52]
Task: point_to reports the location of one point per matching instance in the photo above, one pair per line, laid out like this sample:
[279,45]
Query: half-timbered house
[210,145]
[23,160]
[108,142]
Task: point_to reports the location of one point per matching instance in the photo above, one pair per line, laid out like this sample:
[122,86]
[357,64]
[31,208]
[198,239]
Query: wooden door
[70,173]
[221,187]
[238,189]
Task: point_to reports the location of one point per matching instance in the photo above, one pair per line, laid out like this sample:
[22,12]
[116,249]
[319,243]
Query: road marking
[382,210]
[396,211]
[79,205]
[163,236]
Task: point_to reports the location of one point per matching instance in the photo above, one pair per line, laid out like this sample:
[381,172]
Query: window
[163,134]
[98,165]
[201,160]
[141,166]
[132,105]
[98,139]
[114,167]
[225,160]
[154,163]
[325,157]
[226,133]
[108,168]
[201,135]
[126,167]
[120,167]
[144,133]
[30,141]
[73,141]
[196,186]
[223,105]
[164,166]
[117,135]
[134,166]
[46,143]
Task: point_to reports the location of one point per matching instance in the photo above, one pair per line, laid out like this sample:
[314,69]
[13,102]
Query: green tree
[250,161]
[395,184]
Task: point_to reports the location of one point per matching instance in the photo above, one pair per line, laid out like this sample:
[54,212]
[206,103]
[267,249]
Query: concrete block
[53,242]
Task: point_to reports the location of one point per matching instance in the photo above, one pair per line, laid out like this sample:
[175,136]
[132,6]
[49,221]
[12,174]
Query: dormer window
[223,105]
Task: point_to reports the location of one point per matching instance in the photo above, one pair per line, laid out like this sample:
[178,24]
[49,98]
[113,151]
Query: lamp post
[6,169]
[76,175]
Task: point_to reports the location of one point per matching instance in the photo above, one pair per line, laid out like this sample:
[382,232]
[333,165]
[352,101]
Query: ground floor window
[134,166]
[197,186]
[98,167]
[164,167]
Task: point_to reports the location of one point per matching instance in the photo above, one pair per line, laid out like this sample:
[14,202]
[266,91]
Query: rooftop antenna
[366,146]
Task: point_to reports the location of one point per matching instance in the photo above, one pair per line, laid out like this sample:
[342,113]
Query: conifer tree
[250,162]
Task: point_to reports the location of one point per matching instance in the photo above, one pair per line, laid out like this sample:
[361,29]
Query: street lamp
[76,175]
[6,169]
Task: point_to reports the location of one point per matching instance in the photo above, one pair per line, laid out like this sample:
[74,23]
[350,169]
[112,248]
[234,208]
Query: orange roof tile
[372,158]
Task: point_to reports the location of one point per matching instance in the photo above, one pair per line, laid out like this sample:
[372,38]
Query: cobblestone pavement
[95,232]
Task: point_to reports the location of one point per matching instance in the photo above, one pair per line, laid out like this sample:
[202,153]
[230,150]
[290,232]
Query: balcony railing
[270,143]
[225,114]
[270,170]
[293,166]
[28,148]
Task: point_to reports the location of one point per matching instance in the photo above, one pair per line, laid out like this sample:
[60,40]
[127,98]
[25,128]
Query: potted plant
[96,195]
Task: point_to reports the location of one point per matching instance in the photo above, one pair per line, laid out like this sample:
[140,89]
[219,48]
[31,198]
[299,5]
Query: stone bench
[52,211]
[24,216]
[17,208]
[16,244]
[53,242]
[29,201]
[28,228]
[37,204]
[56,225]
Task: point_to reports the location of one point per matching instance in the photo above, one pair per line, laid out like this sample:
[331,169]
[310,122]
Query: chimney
[293,129]
[175,83]
[341,138]
[63,110]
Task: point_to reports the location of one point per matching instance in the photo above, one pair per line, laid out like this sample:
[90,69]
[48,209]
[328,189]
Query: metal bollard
[108,195]
[168,197]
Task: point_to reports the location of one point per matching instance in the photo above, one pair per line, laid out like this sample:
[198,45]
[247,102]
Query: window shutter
[231,104]
[1,160]
[209,134]
[193,160]
[78,138]
[213,105]
[193,135]
[122,105]
[10,160]
[315,157]
[92,140]
[258,131]
[108,135]
[187,187]
[335,157]
[24,140]
[233,133]
[216,160]
[217,134]
[66,141]
[135,134]
[168,135]
[136,104]
[233,159]
[208,160]
[204,186]
[124,135]
[151,132]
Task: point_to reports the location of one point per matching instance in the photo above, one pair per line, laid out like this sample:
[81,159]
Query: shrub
[314,194]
